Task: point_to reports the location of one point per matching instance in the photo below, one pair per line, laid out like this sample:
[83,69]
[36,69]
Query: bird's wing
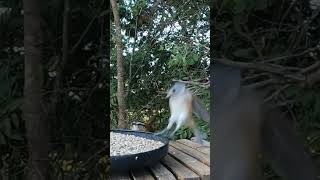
[199,109]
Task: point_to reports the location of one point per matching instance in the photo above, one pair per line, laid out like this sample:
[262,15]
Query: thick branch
[120,67]
[36,125]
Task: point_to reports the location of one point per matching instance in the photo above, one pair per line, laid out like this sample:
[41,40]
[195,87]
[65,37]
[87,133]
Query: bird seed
[124,144]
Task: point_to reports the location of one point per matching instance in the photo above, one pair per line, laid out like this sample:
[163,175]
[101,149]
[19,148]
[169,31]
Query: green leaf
[261,4]
[241,6]
[189,134]
[5,126]
[192,59]
[16,136]
[248,5]
[15,121]
[11,105]
[2,139]
[184,134]
[4,87]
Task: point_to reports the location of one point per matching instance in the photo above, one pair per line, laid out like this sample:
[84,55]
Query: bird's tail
[199,109]
[198,135]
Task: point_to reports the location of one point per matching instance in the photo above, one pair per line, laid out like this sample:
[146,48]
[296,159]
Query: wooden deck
[186,160]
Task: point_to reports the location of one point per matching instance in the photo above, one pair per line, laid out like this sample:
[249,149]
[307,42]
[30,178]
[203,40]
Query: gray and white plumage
[182,104]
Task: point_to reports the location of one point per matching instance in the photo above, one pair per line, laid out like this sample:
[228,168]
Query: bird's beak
[168,94]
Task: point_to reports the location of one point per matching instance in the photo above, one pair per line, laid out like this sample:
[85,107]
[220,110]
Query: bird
[183,104]
[138,126]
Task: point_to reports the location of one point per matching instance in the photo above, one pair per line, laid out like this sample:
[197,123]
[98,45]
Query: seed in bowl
[123,144]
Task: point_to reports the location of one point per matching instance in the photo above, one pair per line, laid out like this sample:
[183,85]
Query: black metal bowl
[140,160]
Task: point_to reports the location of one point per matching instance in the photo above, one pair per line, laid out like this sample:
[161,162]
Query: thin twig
[290,55]
[263,67]
[89,26]
[204,85]
[83,35]
[276,93]
[260,84]
[311,67]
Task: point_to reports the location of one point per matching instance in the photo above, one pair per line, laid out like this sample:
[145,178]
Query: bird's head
[176,88]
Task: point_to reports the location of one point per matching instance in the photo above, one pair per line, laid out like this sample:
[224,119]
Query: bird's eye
[174,90]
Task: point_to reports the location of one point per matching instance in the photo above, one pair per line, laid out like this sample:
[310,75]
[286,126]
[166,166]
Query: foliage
[84,78]
[163,40]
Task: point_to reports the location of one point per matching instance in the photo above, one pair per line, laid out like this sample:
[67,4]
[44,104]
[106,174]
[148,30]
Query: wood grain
[161,172]
[202,157]
[199,168]
[142,175]
[179,170]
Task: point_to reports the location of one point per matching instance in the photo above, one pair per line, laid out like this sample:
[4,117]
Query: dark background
[277,43]
[74,90]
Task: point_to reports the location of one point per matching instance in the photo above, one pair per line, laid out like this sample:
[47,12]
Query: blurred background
[71,85]
[278,43]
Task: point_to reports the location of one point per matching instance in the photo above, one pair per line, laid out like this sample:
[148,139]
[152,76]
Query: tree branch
[262,67]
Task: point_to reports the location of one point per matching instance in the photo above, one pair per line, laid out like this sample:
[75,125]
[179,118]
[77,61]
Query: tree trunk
[58,83]
[36,125]
[120,68]
[65,49]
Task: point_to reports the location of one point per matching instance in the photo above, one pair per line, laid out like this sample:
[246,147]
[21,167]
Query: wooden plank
[189,143]
[206,143]
[201,169]
[202,148]
[115,176]
[205,150]
[179,170]
[204,158]
[142,175]
[161,172]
